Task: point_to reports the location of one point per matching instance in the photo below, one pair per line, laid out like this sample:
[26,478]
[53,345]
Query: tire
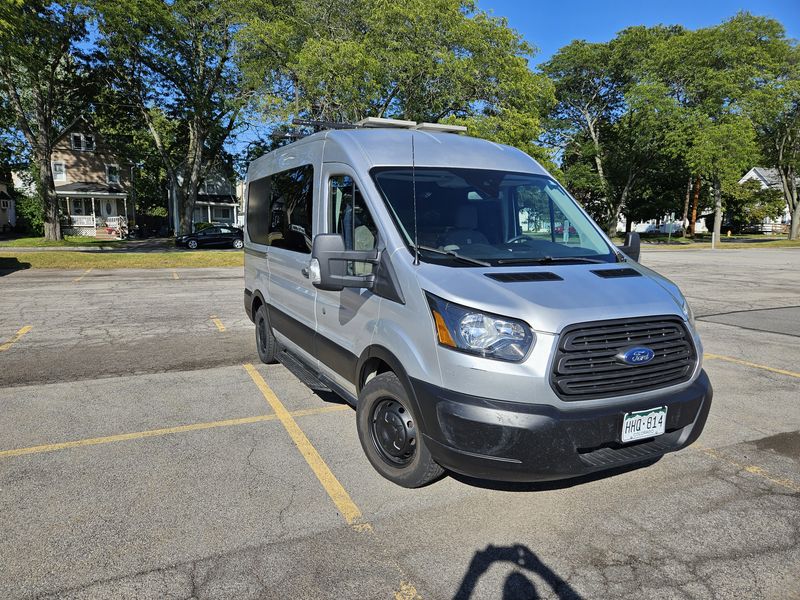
[192,244]
[238,244]
[266,344]
[397,450]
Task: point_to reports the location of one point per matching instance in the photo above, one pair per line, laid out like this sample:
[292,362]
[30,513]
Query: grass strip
[68,241]
[119,260]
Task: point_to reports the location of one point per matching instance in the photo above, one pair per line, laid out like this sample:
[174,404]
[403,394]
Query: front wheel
[387,429]
[238,244]
[192,244]
[265,341]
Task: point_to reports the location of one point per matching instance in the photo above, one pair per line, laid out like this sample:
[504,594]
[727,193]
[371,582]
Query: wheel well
[257,302]
[372,367]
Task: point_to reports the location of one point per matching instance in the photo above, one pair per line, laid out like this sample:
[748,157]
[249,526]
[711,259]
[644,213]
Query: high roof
[374,147]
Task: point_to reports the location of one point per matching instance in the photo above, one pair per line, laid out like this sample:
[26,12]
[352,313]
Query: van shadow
[517,585]
[10,264]
[545,486]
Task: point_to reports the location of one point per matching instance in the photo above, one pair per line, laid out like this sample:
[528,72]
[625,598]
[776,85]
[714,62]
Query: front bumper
[512,441]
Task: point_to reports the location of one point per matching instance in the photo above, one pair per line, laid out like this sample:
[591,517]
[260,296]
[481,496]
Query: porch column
[209,213]
[125,204]
[93,217]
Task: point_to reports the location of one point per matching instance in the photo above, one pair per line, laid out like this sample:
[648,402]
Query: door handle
[304,271]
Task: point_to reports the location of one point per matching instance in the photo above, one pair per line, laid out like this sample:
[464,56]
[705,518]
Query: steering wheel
[519,238]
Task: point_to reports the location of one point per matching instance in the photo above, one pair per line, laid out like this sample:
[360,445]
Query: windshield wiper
[466,259]
[547,260]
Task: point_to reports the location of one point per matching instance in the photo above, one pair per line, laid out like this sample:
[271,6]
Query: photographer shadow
[517,585]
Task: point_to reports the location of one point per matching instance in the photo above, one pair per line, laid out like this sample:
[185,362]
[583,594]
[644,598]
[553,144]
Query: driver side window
[350,217]
[349,214]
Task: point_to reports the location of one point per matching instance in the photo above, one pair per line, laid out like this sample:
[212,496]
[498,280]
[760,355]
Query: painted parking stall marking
[138,435]
[218,323]
[17,336]
[347,508]
[85,273]
[745,363]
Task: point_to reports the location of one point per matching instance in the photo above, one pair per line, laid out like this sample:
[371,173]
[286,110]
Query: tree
[440,60]
[176,62]
[41,76]
[709,74]
[775,109]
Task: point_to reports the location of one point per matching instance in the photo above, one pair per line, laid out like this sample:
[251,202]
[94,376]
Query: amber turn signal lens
[442,331]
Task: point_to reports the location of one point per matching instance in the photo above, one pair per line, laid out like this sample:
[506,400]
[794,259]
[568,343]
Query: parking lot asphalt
[146,453]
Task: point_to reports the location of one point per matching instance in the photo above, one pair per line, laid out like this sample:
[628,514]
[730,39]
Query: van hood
[579,296]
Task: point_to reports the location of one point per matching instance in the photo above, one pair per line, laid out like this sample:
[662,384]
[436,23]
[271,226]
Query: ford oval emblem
[638,355]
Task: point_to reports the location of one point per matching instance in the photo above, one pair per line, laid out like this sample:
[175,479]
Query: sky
[551,25]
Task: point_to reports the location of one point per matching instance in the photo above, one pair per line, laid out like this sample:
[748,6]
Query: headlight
[480,333]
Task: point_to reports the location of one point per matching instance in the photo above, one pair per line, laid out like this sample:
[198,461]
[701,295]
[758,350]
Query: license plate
[644,424]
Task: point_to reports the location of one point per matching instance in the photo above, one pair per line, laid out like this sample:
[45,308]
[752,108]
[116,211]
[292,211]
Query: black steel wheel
[387,429]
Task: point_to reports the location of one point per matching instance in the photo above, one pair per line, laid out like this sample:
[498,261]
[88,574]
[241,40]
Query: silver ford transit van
[479,321]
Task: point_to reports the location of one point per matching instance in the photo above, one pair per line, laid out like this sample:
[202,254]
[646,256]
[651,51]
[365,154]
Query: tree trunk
[695,202]
[47,191]
[684,222]
[717,209]
[794,228]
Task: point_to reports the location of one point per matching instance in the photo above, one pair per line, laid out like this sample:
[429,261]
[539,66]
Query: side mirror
[334,275]
[632,245]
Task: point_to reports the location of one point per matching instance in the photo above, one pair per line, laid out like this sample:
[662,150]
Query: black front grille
[586,364]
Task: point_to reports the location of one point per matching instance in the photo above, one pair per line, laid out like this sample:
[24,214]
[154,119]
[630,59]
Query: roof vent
[379,122]
[375,122]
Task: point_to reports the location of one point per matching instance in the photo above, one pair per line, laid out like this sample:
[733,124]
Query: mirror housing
[328,250]
[632,246]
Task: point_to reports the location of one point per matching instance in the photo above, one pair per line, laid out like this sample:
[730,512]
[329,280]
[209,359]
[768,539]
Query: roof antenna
[414,196]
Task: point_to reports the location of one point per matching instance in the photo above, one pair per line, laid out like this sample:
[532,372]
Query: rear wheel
[265,341]
[238,244]
[387,429]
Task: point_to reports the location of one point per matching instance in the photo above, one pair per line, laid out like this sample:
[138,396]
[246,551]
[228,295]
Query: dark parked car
[229,237]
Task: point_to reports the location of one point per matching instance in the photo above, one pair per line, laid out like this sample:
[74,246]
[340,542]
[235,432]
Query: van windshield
[487,217]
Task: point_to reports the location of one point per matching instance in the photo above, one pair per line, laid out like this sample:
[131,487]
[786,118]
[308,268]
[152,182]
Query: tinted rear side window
[291,209]
[258,196]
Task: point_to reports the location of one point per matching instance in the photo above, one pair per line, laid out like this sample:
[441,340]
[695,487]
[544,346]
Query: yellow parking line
[218,323]
[749,364]
[754,469]
[175,275]
[16,338]
[164,431]
[347,508]
[85,273]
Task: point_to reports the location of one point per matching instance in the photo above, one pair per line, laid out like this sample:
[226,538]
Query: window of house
[112,173]
[82,141]
[59,171]
[291,209]
[219,213]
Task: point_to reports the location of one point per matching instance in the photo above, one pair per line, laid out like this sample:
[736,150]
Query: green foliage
[30,214]
[748,204]
[413,59]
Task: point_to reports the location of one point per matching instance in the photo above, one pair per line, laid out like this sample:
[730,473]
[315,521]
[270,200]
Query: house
[216,203]
[91,183]
[8,215]
[770,178]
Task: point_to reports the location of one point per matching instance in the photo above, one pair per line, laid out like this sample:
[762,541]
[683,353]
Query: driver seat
[465,231]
